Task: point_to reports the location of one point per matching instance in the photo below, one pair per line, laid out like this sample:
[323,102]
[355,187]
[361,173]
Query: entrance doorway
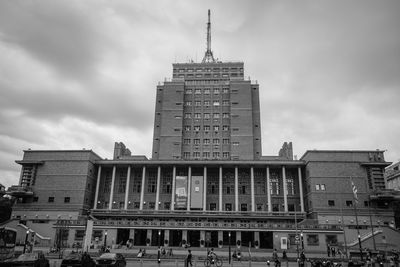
[122,236]
[266,240]
[175,237]
[194,238]
[140,237]
[247,239]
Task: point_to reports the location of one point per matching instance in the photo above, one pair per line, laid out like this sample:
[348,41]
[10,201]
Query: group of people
[332,251]
[277,262]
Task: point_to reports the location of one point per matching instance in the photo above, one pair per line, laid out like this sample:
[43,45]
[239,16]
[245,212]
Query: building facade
[207,183]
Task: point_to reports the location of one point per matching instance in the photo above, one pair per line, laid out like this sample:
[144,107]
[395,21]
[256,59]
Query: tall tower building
[208,111]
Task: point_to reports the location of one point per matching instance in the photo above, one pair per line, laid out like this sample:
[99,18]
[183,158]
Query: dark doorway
[194,238]
[175,237]
[140,237]
[157,238]
[122,236]
[266,240]
[211,239]
[248,239]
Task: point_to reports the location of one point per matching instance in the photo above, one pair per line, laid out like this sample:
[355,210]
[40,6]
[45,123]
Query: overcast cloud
[83,74]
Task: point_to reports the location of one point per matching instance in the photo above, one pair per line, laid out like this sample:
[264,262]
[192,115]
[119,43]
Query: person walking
[275,258]
[189,258]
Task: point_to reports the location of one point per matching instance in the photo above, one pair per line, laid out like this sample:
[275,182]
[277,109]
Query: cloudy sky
[82,74]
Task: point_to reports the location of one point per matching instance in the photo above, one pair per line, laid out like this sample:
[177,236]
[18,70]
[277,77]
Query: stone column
[128,180]
[112,188]
[284,189]
[142,188]
[269,191]
[220,237]
[166,237]
[220,188]
[301,190]
[96,196]
[205,189]
[158,187]
[189,187]
[202,237]
[236,188]
[184,235]
[253,201]
[173,188]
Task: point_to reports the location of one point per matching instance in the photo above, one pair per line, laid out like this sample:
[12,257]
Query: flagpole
[354,188]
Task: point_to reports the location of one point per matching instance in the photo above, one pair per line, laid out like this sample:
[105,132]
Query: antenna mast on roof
[208,56]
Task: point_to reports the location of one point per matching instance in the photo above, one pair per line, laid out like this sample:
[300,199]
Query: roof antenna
[208,56]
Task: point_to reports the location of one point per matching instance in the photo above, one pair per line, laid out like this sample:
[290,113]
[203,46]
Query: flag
[354,188]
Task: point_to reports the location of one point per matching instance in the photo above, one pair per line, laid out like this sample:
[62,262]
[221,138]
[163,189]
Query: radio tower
[208,56]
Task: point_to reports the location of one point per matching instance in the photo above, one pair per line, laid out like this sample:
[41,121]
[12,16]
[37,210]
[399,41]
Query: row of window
[215,69]
[206,155]
[216,128]
[207,103]
[206,115]
[206,141]
[52,199]
[206,91]
[349,203]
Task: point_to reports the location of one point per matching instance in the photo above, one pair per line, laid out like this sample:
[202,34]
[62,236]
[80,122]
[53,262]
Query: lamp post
[159,246]
[26,240]
[105,239]
[302,241]
[229,240]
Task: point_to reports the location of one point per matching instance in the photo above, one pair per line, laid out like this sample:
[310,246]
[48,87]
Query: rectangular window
[216,103]
[196,154]
[188,115]
[206,141]
[213,206]
[216,128]
[186,141]
[225,102]
[187,128]
[225,141]
[228,206]
[51,199]
[206,155]
[225,115]
[216,141]
[312,240]
[225,128]
[197,91]
[225,155]
[152,183]
[216,91]
[215,154]
[136,205]
[225,90]
[197,115]
[243,207]
[323,187]
[188,91]
[197,103]
[197,128]
[186,155]
[317,187]
[331,203]
[196,141]
[206,103]
[206,115]
[235,143]
[349,203]
[67,199]
[152,205]
[79,235]
[167,205]
[206,127]
[259,207]
[216,115]
[207,91]
[188,103]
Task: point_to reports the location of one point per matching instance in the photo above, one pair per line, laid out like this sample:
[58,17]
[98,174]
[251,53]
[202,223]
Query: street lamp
[105,239]
[159,246]
[26,240]
[229,235]
[302,241]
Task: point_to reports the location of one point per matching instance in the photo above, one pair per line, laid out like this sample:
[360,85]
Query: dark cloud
[79,74]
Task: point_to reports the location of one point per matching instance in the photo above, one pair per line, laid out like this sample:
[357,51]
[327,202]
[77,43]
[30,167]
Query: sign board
[181,195]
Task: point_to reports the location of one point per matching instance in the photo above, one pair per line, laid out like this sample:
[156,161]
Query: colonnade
[220,193]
